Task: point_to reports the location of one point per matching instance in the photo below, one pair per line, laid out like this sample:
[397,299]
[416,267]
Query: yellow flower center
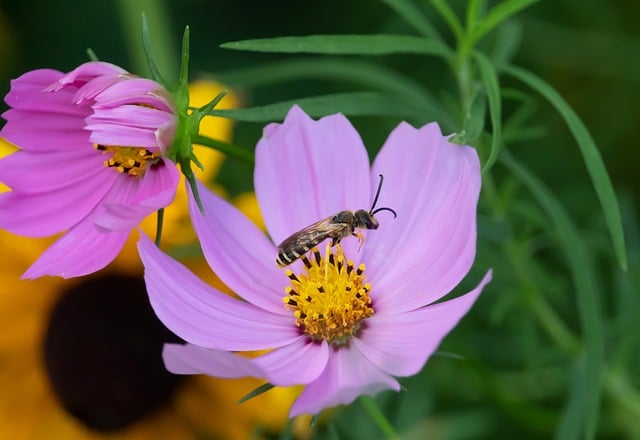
[131,160]
[329,299]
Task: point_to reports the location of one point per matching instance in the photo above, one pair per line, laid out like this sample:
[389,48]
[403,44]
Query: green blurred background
[514,380]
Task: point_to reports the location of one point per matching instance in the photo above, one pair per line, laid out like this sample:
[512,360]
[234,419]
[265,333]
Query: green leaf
[501,12]
[352,104]
[586,389]
[507,42]
[492,89]
[148,51]
[343,45]
[359,72]
[411,14]
[450,17]
[92,55]
[591,155]
[256,392]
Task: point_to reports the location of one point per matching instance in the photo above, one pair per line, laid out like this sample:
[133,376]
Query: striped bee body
[335,227]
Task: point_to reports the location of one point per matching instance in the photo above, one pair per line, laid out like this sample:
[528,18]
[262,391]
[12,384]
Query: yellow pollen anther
[131,160]
[329,299]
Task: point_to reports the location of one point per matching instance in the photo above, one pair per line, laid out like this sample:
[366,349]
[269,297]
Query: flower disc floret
[329,299]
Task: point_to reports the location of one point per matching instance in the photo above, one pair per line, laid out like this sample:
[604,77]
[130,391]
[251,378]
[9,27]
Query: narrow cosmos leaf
[148,51]
[414,17]
[356,71]
[501,12]
[492,89]
[351,104]
[256,392]
[450,17]
[343,45]
[591,155]
[372,75]
[586,390]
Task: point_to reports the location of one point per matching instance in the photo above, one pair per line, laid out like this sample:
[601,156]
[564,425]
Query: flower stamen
[133,161]
[329,298]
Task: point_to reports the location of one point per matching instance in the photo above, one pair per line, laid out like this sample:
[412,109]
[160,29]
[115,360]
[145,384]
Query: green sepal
[256,392]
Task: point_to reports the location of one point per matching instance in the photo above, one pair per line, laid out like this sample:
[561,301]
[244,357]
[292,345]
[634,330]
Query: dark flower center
[102,352]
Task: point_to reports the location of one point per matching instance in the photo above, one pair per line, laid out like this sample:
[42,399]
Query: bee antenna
[385,209]
[373,211]
[375,200]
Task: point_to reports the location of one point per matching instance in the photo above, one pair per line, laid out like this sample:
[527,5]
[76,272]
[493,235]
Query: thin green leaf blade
[450,17]
[492,88]
[586,389]
[343,45]
[362,73]
[414,17]
[591,155]
[256,392]
[501,12]
[351,104]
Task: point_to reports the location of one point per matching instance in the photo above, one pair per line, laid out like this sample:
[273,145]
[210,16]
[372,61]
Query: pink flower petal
[86,72]
[348,375]
[86,94]
[294,364]
[307,170]
[131,115]
[135,91]
[433,185]
[129,125]
[191,359]
[43,214]
[82,250]
[132,199]
[401,343]
[46,131]
[27,94]
[238,252]
[203,316]
[30,172]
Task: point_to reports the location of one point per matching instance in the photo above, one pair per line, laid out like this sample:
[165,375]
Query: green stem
[230,150]
[379,419]
[159,226]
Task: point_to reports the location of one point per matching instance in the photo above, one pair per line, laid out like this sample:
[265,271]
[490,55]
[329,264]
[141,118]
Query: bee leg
[360,236]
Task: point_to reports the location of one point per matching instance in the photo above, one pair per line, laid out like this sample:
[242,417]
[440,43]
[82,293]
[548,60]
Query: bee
[335,227]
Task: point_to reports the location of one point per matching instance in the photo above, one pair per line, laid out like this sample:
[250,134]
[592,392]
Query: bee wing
[313,234]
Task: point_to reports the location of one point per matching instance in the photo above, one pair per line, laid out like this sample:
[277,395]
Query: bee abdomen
[291,254]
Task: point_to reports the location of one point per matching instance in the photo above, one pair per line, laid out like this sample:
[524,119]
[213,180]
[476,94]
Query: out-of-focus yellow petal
[248,204]
[6,148]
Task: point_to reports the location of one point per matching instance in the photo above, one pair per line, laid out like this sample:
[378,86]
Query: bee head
[365,220]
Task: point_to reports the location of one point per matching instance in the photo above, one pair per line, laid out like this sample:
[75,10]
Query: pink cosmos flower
[344,323]
[90,162]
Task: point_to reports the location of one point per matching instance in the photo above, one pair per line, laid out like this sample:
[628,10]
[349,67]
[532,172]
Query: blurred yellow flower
[80,358]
